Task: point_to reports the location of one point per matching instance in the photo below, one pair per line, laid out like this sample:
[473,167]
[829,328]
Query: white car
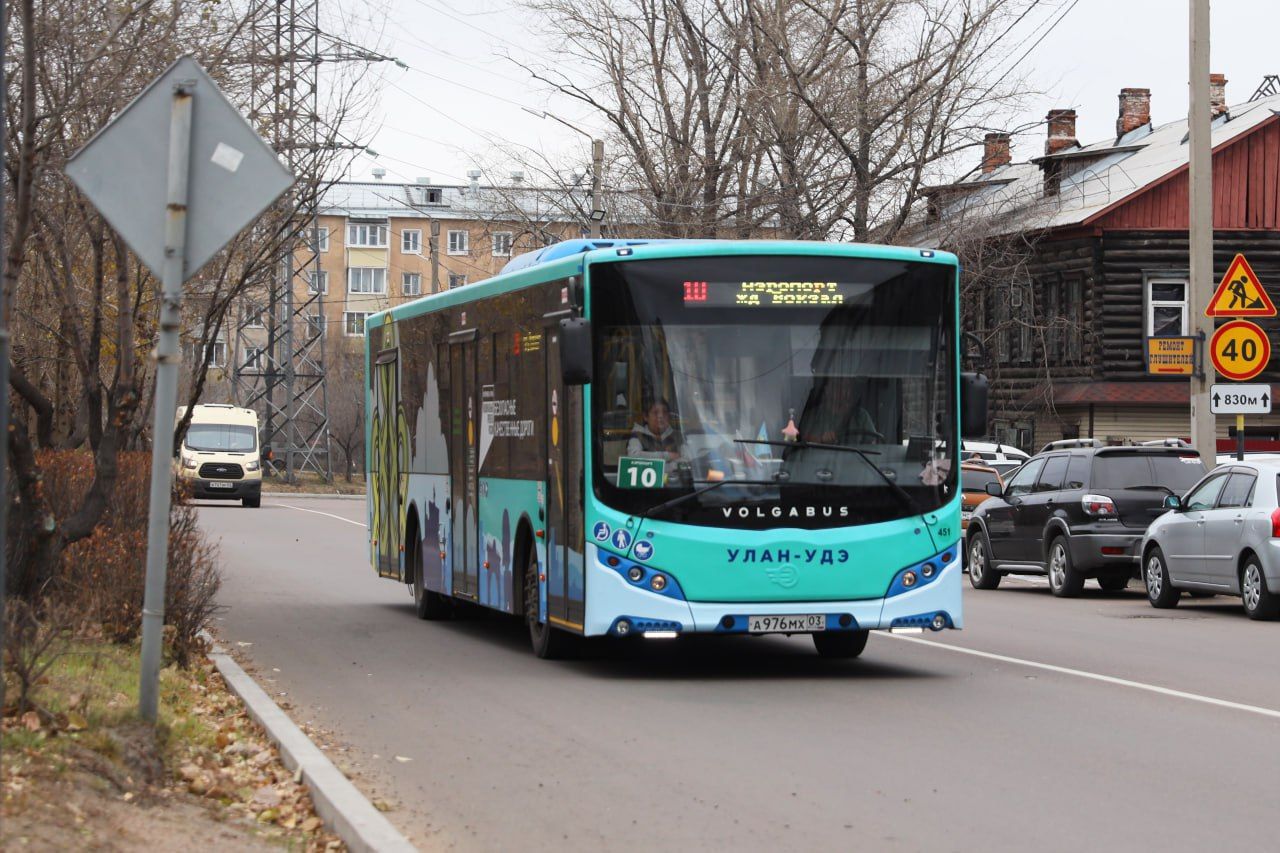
[1223,537]
[990,452]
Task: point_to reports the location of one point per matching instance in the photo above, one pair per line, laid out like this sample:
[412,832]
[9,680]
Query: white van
[219,458]
[1003,457]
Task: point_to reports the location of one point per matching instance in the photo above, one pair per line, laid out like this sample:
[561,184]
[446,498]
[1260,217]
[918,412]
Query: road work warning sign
[1240,294]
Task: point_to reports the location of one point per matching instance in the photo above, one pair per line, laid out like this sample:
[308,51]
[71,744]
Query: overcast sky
[437,118]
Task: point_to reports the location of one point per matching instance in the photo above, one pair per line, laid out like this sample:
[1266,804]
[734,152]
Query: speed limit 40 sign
[1239,350]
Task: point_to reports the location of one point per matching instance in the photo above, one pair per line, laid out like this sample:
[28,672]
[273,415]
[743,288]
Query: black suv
[1076,514]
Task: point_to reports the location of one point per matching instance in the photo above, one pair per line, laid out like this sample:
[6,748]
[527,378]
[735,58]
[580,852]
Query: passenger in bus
[839,416]
[656,438]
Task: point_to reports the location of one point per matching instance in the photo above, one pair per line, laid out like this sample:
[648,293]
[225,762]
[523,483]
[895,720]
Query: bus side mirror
[973,405]
[575,351]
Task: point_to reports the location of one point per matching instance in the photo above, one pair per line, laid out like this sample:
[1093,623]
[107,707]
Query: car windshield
[976,481]
[800,379]
[1177,472]
[221,437]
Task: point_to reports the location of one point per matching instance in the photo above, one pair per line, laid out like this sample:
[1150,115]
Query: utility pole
[1203,428]
[434,244]
[597,179]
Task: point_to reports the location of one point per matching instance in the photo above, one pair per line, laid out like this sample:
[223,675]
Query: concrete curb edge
[311,496]
[338,802]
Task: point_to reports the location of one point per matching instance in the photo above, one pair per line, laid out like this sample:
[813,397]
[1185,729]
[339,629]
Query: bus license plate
[216,485]
[788,624]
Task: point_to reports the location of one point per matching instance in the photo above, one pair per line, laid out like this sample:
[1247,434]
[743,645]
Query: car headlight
[252,466]
[188,462]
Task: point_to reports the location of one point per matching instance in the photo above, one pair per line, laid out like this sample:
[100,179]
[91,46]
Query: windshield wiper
[679,499]
[864,455]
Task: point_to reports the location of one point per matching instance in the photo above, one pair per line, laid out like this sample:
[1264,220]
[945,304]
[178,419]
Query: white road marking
[1093,676]
[331,515]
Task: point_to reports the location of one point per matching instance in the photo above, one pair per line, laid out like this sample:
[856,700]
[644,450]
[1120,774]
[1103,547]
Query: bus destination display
[729,294]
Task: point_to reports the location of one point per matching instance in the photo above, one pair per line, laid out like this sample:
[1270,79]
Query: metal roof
[1113,170]
[384,199]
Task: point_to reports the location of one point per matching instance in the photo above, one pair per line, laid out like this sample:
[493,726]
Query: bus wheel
[840,644]
[548,642]
[427,604]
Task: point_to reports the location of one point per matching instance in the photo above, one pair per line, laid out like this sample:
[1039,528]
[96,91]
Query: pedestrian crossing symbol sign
[1240,294]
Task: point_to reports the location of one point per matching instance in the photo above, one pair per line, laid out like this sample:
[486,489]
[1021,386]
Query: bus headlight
[252,466]
[189,463]
[635,574]
[659,583]
[909,579]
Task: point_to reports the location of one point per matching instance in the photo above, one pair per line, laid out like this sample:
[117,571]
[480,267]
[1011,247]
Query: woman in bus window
[656,438]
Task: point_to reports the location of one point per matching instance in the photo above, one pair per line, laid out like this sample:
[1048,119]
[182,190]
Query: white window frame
[196,352]
[411,241]
[502,240]
[1151,304]
[346,323]
[255,358]
[253,316]
[459,242]
[415,278]
[320,239]
[366,235]
[324,282]
[377,285]
[457,279]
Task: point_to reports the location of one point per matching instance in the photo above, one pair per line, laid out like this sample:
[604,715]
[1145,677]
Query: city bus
[653,439]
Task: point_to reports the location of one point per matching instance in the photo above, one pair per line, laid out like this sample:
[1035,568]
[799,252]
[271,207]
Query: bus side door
[465,416]
[564,530]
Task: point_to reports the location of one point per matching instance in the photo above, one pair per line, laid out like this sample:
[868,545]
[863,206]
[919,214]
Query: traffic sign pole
[1239,438]
[167,359]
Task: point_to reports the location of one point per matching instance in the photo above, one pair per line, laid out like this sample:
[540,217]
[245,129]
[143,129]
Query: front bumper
[611,597]
[223,489]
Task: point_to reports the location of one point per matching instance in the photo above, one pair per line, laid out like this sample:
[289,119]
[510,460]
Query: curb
[338,802]
[312,496]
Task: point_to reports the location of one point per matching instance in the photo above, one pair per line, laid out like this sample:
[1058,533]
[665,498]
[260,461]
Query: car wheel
[1259,602]
[548,642]
[981,575]
[1155,574]
[1114,582]
[840,644]
[1064,580]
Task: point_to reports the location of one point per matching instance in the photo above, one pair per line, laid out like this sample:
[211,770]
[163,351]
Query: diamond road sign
[233,175]
[1235,399]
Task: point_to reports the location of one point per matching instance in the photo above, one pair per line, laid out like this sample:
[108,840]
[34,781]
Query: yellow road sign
[1240,350]
[1171,356]
[1240,294]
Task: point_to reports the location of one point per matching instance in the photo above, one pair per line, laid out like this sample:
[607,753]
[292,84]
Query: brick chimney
[1135,110]
[1217,94]
[1062,131]
[995,152]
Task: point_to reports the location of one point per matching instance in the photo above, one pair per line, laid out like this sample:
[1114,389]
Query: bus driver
[655,438]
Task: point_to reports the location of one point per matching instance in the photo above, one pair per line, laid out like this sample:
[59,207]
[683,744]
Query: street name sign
[1240,294]
[1171,356]
[1239,350]
[1240,399]
[233,175]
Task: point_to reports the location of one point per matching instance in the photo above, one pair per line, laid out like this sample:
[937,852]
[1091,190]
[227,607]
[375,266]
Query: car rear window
[976,481]
[1178,472]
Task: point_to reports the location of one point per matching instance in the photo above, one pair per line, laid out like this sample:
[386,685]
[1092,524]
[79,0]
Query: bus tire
[548,641]
[428,605]
[840,644]
[251,502]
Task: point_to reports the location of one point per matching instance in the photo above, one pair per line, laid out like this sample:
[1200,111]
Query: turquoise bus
[651,439]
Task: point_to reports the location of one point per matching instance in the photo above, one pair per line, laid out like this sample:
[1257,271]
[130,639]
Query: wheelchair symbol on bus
[601,531]
[621,540]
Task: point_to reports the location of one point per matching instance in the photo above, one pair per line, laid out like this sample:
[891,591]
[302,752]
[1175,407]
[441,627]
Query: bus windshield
[809,391]
[221,437]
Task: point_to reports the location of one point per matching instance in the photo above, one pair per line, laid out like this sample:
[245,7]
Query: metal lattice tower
[1270,86]
[286,383]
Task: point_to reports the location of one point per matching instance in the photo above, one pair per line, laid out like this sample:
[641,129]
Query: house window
[459,242]
[367,236]
[315,325]
[318,281]
[1064,305]
[255,359]
[456,279]
[502,244]
[1166,299]
[253,316]
[367,280]
[353,323]
[318,239]
[411,241]
[411,284]
[196,350]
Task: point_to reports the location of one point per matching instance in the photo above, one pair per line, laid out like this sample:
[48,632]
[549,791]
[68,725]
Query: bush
[103,576]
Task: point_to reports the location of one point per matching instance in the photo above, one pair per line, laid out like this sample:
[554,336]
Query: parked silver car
[1222,537]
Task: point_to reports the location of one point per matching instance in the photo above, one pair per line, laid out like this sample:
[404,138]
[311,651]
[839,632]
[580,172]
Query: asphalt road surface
[1095,723]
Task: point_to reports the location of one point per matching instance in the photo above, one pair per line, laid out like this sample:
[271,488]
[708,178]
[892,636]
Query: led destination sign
[732,294]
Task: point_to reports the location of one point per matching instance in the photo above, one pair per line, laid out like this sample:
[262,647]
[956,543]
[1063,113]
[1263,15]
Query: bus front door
[564,534]
[462,464]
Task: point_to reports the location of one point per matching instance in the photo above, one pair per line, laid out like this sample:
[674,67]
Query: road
[1094,723]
